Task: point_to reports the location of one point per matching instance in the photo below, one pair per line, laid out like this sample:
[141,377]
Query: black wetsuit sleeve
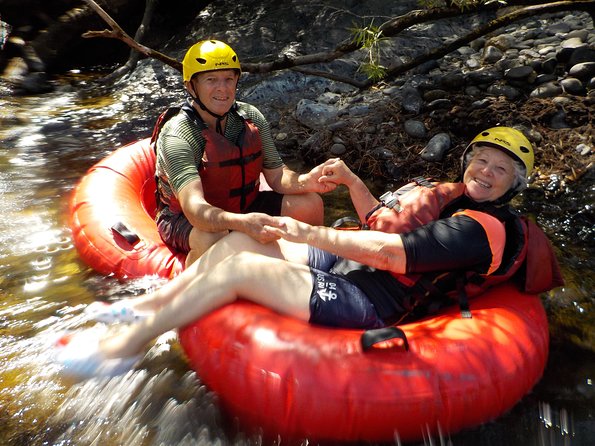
[451,243]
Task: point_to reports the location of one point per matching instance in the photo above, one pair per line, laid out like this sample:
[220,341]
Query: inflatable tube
[112,217]
[298,380]
[303,381]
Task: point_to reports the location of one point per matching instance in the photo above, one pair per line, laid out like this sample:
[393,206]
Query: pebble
[436,148]
[415,129]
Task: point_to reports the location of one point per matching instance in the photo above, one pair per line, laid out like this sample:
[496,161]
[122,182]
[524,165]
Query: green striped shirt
[180,146]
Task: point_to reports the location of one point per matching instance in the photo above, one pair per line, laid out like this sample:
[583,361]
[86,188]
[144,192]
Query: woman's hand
[336,171]
[289,229]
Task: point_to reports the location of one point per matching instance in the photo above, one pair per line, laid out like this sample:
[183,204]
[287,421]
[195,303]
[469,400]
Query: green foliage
[370,38]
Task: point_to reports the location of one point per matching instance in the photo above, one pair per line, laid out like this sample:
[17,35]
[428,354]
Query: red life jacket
[230,173]
[526,247]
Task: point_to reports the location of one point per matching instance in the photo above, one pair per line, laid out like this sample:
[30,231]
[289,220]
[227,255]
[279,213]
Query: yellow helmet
[510,140]
[209,55]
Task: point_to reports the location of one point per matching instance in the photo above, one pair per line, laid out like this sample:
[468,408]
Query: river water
[46,144]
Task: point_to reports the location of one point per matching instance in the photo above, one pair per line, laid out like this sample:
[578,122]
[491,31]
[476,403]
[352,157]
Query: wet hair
[520,174]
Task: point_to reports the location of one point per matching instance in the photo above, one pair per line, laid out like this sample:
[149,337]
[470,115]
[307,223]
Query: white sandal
[79,356]
[117,312]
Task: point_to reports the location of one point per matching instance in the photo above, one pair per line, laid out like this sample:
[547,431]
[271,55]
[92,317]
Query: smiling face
[489,174]
[215,89]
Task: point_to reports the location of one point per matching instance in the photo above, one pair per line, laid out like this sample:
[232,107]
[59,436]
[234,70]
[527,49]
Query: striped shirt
[180,147]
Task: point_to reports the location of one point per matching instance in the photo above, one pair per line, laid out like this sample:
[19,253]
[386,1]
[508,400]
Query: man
[210,157]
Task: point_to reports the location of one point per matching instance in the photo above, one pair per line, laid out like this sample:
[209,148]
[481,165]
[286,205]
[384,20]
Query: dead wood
[389,29]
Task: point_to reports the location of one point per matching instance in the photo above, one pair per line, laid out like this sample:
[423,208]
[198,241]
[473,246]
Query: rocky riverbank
[537,74]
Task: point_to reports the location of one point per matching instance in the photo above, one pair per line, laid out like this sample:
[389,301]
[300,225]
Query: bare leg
[230,245]
[200,242]
[277,284]
[308,208]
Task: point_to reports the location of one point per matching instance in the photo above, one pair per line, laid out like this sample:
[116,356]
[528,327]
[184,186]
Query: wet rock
[558,121]
[581,54]
[315,115]
[568,47]
[54,125]
[544,78]
[338,149]
[519,73]
[549,65]
[508,91]
[436,148]
[583,70]
[573,86]
[548,90]
[492,54]
[411,100]
[415,129]
[481,104]
[382,153]
[432,95]
[483,77]
[440,104]
[453,81]
[558,28]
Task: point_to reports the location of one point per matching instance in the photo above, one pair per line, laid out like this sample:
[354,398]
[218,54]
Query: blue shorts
[335,301]
[175,228]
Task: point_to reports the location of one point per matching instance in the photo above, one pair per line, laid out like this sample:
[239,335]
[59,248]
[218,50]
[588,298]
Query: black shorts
[335,301]
[175,228]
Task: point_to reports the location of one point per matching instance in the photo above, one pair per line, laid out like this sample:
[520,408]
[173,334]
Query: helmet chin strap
[220,118]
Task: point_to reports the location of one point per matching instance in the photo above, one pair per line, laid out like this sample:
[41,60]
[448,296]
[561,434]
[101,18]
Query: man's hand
[253,224]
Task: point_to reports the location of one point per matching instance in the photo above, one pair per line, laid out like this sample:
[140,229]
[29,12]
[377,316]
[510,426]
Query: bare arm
[209,218]
[336,171]
[286,181]
[377,249]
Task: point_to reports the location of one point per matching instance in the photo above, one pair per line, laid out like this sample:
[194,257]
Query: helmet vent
[524,149]
[201,61]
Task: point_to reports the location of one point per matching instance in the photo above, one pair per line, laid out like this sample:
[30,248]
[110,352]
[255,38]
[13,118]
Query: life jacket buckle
[391,201]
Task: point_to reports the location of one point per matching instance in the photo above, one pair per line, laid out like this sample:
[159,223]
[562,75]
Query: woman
[360,279]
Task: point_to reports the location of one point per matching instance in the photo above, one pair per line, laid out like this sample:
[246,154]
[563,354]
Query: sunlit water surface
[46,145]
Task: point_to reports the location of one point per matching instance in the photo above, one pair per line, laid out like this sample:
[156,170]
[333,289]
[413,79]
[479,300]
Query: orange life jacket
[527,256]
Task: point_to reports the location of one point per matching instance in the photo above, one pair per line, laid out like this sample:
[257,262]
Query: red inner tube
[297,380]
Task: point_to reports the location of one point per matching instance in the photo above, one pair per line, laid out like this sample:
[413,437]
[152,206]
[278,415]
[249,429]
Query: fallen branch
[529,11]
[118,33]
[389,29]
[134,56]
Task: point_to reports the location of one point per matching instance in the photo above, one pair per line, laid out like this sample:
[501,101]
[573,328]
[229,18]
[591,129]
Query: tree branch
[389,29]
[584,5]
[118,33]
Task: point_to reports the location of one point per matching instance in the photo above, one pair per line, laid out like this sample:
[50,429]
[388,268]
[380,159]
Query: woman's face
[489,174]
[216,89]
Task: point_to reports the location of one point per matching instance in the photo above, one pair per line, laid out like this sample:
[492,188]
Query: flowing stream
[46,144]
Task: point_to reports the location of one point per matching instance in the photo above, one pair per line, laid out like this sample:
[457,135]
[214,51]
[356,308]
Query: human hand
[289,229]
[254,224]
[312,180]
[335,171]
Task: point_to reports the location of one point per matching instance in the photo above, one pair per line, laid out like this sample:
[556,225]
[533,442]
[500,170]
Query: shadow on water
[46,145]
